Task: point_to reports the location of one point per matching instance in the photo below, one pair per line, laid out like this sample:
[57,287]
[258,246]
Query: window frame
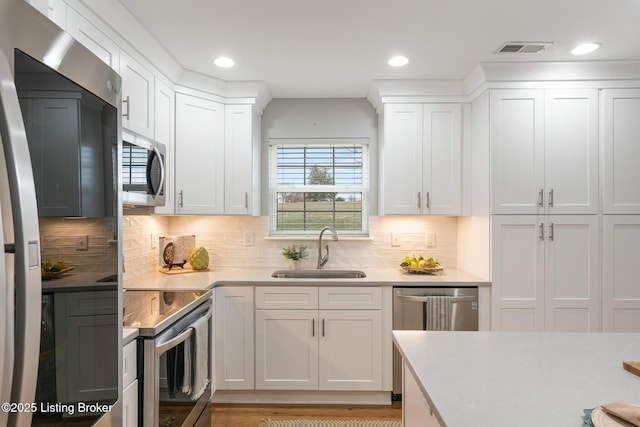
[274,188]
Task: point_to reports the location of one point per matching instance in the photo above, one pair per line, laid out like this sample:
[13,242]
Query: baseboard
[302,397]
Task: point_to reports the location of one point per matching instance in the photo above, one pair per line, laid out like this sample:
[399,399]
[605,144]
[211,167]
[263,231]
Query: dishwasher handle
[425,298]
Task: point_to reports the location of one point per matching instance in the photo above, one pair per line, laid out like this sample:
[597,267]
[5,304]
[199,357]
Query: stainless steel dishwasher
[410,312]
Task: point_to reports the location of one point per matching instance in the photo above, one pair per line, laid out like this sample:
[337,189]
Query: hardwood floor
[228,415]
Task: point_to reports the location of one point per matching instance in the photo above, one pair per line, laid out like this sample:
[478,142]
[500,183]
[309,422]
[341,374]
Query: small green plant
[295,252]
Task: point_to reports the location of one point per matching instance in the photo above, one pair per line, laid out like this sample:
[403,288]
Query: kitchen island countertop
[520,379]
[262,277]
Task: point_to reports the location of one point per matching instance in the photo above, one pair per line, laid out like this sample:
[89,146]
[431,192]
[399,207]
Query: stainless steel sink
[318,274]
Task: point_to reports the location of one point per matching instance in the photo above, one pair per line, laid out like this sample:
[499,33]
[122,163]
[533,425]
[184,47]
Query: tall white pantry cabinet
[557,263]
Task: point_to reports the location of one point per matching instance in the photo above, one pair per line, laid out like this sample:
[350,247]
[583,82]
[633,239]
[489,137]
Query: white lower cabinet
[130,386]
[621,293]
[302,343]
[546,273]
[416,411]
[234,355]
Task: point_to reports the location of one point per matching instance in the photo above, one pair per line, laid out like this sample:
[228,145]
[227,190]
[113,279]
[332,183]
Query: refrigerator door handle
[24,210]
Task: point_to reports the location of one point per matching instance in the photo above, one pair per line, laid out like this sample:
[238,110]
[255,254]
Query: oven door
[163,401]
[143,171]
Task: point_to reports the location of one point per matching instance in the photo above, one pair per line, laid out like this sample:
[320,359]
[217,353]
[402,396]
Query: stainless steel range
[173,356]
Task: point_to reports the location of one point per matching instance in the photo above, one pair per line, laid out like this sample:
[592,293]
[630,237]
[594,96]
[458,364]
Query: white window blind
[315,183]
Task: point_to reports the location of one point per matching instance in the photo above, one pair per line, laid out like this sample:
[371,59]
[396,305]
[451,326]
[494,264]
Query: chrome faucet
[322,259]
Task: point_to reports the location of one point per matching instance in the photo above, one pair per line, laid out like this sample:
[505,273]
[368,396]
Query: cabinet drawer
[351,298]
[129,363]
[92,303]
[286,297]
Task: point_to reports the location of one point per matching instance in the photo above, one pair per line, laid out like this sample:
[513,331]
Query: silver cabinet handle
[126,100]
[313,327]
[550,198]
[246,200]
[551,232]
[323,327]
[181,199]
[419,200]
[541,235]
[428,200]
[541,197]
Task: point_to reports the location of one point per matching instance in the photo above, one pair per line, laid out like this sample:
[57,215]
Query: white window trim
[274,189]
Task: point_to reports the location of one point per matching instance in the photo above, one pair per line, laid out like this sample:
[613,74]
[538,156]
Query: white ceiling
[336,48]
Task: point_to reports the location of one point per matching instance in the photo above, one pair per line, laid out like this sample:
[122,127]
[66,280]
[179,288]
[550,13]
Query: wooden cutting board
[633,367]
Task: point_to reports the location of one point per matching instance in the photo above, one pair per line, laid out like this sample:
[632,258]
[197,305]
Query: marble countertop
[262,277]
[520,379]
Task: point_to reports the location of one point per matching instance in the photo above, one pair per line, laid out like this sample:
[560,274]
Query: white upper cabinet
[242,160]
[57,12]
[421,157]
[571,151]
[199,160]
[92,38]
[621,142]
[544,151]
[137,96]
[164,120]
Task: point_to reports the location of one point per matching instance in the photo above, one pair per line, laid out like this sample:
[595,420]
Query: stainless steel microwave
[143,171]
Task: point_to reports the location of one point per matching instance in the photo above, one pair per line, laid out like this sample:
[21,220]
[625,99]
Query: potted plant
[295,253]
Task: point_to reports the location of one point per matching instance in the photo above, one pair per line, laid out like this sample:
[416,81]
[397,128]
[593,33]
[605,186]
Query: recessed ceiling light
[224,62]
[398,61]
[585,48]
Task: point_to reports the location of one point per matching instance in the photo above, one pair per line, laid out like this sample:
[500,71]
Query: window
[315,183]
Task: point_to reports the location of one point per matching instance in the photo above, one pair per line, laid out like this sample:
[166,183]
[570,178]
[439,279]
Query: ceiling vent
[523,47]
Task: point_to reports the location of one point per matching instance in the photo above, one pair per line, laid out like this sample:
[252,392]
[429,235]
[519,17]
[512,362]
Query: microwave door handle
[28,282]
[162,173]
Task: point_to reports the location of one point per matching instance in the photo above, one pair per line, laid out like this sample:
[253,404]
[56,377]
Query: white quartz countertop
[262,276]
[496,379]
[128,335]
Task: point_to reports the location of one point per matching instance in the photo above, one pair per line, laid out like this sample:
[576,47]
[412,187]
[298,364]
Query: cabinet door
[401,153]
[93,39]
[53,130]
[130,405]
[517,290]
[137,96]
[517,151]
[234,351]
[621,293]
[164,132]
[416,411]
[286,350]
[442,145]
[242,160]
[350,350]
[572,273]
[199,167]
[571,151]
[621,133]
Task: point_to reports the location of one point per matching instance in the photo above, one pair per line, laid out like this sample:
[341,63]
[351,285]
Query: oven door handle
[425,298]
[182,337]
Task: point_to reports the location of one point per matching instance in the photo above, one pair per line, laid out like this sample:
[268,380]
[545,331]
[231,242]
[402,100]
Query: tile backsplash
[59,242]
[242,241]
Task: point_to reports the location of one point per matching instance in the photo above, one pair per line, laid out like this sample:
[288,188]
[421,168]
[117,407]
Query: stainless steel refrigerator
[60,143]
